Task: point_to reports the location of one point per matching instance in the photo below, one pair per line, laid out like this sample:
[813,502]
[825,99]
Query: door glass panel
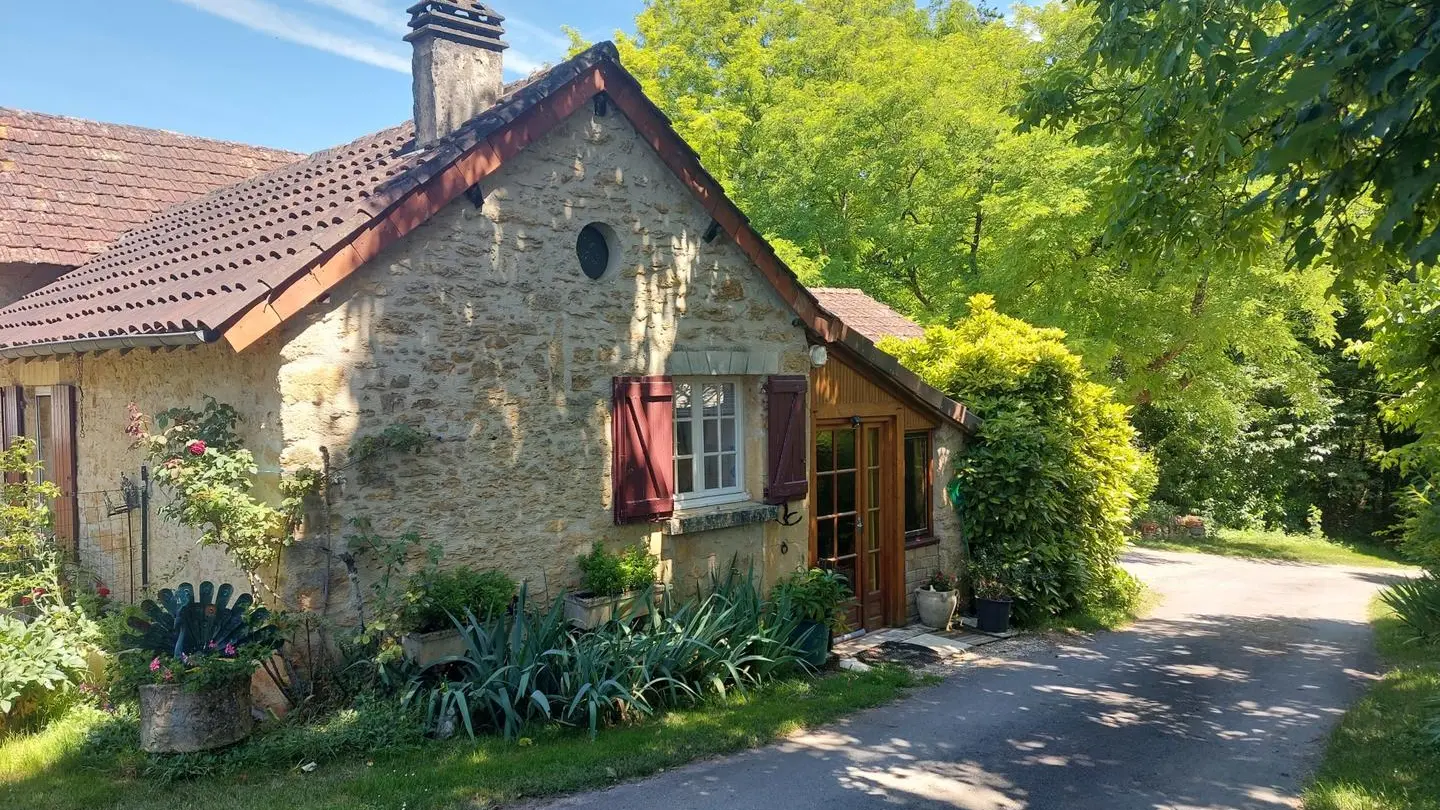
[846,536]
[845,450]
[825,539]
[825,494]
[844,492]
[846,567]
[824,451]
[872,447]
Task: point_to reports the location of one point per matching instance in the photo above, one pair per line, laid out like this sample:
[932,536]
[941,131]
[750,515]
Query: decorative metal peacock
[180,623]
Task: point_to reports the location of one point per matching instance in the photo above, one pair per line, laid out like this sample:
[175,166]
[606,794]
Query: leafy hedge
[1045,489]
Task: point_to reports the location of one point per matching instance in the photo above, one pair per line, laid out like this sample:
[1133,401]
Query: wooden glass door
[850,514]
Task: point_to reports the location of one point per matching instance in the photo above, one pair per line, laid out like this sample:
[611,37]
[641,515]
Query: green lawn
[49,771]
[1380,758]
[1280,546]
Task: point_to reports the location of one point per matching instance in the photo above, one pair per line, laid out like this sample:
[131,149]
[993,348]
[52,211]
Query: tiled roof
[69,187]
[205,262]
[865,315]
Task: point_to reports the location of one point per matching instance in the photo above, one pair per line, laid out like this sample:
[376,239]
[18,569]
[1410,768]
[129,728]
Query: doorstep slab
[940,645]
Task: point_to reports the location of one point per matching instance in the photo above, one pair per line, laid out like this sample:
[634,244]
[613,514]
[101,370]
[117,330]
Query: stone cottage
[543,279]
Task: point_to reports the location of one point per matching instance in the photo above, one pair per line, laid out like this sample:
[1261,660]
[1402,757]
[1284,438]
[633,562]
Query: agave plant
[179,623]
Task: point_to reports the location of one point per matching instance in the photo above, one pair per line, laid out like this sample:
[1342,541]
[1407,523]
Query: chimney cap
[470,23]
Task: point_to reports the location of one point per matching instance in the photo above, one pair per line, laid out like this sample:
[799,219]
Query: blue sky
[295,74]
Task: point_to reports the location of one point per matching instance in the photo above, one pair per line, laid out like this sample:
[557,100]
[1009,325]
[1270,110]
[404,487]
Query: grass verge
[49,770]
[1280,546]
[1379,758]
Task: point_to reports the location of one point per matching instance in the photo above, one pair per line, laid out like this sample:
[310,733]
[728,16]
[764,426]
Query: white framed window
[709,448]
[38,427]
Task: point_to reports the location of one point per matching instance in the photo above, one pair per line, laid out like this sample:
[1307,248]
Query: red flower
[25,600]
[102,591]
[38,591]
[196,448]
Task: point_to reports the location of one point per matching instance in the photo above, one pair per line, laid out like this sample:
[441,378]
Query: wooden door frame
[894,609]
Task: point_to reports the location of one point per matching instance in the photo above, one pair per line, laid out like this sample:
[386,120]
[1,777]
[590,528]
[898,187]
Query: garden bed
[57,770]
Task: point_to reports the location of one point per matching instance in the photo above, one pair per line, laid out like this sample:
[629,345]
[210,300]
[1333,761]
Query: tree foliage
[1047,485]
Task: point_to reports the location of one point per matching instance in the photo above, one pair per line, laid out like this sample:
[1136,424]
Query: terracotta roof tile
[90,181]
[204,262]
[865,315]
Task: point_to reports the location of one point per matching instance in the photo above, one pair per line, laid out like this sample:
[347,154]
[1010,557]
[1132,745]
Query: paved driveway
[1222,699]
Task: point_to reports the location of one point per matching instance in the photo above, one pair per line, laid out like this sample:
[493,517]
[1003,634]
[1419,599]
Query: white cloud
[384,49]
[267,18]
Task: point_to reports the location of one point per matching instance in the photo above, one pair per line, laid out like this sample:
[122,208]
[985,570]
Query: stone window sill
[714,518]
[921,541]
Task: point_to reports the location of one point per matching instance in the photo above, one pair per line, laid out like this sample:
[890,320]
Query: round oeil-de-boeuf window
[595,248]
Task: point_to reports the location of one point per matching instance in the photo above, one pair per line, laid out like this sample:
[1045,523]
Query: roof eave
[156,340]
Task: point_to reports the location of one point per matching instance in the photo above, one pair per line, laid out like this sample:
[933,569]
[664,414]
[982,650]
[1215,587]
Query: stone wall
[107,383]
[480,329]
[948,553]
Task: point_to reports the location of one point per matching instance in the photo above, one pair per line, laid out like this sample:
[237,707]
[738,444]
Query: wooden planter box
[173,720]
[587,612]
[427,648]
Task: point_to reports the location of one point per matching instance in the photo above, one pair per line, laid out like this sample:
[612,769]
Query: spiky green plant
[1416,603]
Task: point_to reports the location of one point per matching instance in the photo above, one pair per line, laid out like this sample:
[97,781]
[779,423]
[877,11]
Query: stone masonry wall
[107,384]
[948,554]
[481,329]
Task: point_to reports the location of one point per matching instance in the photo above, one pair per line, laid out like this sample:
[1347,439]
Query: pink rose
[230,650]
[155,664]
[196,448]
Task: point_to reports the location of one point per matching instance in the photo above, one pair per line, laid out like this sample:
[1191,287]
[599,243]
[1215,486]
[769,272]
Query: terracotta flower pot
[173,720]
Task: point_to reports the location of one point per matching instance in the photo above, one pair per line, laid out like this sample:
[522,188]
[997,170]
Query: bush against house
[1045,490]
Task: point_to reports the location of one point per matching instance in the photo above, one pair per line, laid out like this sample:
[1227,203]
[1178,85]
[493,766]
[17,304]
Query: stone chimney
[456,65]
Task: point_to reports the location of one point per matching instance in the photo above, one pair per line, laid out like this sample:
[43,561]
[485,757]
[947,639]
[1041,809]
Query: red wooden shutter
[62,465]
[643,424]
[788,437]
[12,421]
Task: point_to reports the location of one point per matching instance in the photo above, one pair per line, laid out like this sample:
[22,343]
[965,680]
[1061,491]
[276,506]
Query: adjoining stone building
[543,278]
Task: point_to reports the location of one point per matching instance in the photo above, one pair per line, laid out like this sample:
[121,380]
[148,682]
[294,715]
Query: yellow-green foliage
[1046,488]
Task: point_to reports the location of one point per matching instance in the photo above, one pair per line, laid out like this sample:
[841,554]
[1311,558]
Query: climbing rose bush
[1045,490]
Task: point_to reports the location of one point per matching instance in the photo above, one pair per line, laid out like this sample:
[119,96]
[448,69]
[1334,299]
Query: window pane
[684,439]
[710,399]
[844,449]
[917,483]
[682,401]
[712,436]
[825,494]
[727,470]
[825,450]
[727,435]
[845,537]
[685,475]
[727,399]
[872,447]
[712,473]
[845,492]
[42,435]
[825,539]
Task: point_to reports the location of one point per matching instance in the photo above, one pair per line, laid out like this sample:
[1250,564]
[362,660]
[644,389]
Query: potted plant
[815,596]
[195,660]
[612,586]
[1194,524]
[435,600]
[937,599]
[993,595]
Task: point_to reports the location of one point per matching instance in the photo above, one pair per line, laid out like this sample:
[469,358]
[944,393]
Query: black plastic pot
[992,615]
[812,639]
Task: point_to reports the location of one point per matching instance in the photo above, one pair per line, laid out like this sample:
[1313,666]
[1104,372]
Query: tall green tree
[877,142]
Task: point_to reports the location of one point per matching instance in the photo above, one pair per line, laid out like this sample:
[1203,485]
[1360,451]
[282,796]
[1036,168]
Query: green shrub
[604,573]
[39,670]
[1416,603]
[1046,488]
[815,595]
[435,596]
